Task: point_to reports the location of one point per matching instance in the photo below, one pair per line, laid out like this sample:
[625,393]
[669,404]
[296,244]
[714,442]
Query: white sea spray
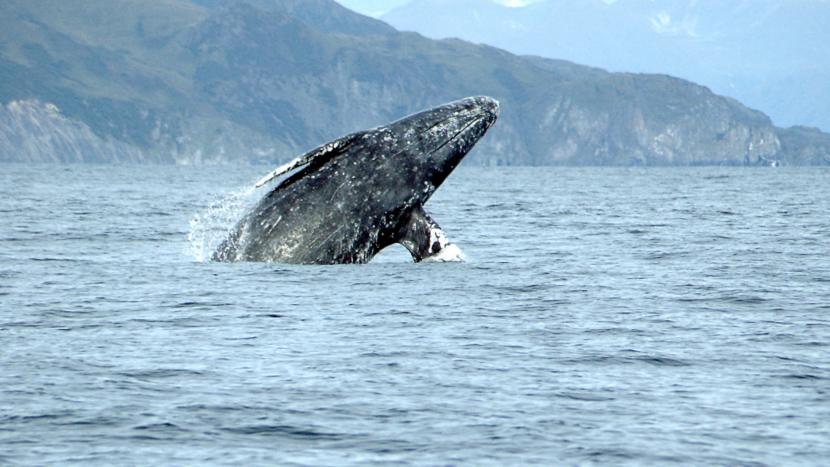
[210,226]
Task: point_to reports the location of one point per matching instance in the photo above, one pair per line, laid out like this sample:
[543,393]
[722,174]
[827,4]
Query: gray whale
[350,198]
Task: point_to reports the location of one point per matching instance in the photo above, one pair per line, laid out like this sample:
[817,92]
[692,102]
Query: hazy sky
[379,7]
[372,7]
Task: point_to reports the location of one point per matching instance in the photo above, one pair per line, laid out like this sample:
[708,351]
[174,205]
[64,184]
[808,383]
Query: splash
[214,223]
[449,254]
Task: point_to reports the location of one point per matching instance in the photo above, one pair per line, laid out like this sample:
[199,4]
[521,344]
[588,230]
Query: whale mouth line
[479,118]
[482,115]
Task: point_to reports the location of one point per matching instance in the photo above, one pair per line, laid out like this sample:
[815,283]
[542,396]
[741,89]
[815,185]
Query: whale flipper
[425,240]
[321,154]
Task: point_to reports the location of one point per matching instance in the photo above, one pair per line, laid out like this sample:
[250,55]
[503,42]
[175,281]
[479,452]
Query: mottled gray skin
[363,192]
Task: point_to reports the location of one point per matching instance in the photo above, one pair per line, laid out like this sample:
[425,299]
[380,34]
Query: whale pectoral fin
[425,240]
[321,153]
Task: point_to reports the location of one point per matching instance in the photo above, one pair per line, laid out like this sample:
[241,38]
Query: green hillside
[260,80]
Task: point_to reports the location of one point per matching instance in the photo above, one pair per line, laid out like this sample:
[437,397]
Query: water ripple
[604,316]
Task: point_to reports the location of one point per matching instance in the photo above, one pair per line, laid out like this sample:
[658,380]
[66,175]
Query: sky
[379,7]
[372,7]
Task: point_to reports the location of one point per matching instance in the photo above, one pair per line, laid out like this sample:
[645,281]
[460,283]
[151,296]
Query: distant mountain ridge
[769,54]
[190,81]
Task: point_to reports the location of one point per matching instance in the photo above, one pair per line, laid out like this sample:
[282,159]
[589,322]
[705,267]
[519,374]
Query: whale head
[429,145]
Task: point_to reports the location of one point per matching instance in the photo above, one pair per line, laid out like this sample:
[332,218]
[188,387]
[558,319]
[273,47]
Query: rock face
[191,81]
[805,146]
[648,120]
[32,131]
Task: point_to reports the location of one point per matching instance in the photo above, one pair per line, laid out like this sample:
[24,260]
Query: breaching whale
[350,198]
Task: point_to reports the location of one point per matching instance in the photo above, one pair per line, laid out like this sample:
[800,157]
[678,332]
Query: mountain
[769,54]
[191,81]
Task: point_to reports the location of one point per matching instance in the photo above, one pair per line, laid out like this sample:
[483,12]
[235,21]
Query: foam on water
[449,254]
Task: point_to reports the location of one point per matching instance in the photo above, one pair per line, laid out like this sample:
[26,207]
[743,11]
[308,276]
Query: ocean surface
[603,315]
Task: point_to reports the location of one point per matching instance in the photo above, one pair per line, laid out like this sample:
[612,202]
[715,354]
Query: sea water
[602,315]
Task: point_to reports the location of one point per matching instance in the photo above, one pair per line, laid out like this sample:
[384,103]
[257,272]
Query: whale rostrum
[348,199]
